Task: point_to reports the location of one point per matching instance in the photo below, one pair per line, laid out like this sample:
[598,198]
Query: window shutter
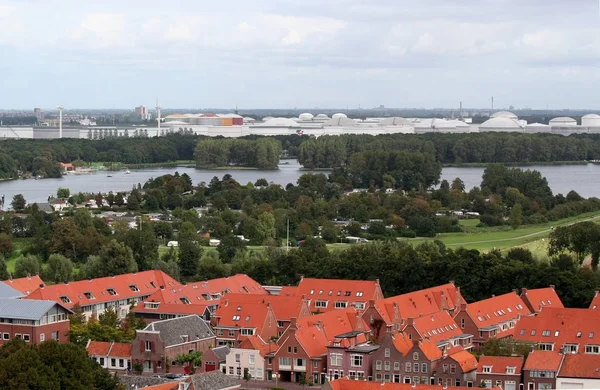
[142,346]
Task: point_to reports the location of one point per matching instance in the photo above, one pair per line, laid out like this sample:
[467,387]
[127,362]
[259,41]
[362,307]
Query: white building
[250,354]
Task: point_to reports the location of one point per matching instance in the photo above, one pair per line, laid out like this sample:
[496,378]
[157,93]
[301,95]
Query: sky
[299,53]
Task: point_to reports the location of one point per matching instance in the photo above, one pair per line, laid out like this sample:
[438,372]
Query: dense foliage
[261,153]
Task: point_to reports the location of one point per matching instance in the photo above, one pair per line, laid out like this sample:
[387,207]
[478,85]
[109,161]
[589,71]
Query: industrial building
[233,125]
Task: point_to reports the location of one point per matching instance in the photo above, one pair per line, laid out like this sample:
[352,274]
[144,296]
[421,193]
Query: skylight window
[359,293]
[236,318]
[89,295]
[239,308]
[65,299]
[185,300]
[111,291]
[134,288]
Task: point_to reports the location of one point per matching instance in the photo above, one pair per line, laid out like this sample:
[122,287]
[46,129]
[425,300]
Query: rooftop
[180,330]
[26,309]
[26,284]
[580,366]
[543,360]
[499,364]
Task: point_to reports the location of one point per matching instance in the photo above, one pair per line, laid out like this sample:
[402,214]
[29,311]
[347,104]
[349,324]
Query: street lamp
[276,376]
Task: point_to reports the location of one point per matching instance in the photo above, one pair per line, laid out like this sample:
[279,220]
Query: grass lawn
[469,222]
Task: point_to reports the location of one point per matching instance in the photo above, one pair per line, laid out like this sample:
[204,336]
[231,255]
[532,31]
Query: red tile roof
[258,344]
[419,303]
[561,326]
[98,348]
[436,327]
[120,350]
[172,308]
[543,361]
[333,290]
[541,297]
[26,285]
[350,384]
[465,360]
[580,366]
[500,363]
[402,343]
[497,310]
[164,386]
[244,315]
[125,286]
[284,307]
[289,291]
[594,305]
[430,349]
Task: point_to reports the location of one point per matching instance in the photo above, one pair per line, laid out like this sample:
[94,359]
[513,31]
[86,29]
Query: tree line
[261,153]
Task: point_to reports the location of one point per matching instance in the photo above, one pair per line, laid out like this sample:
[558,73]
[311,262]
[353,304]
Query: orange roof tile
[333,290]
[421,302]
[437,327]
[594,305]
[243,315]
[289,291]
[560,326]
[172,308]
[466,361]
[580,366]
[350,384]
[164,386]
[430,349]
[284,307]
[120,350]
[500,363]
[543,361]
[542,297]
[94,291]
[98,348]
[402,343]
[497,310]
[25,285]
[258,344]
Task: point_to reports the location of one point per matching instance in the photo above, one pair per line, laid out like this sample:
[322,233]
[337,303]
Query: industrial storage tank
[590,120]
[306,117]
[501,124]
[537,128]
[209,120]
[339,115]
[395,121]
[504,114]
[563,121]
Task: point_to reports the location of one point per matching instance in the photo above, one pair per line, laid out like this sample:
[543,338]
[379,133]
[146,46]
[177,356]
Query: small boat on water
[127,171]
[109,175]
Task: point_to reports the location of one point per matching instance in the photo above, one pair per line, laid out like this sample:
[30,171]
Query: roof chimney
[516,291]
[28,275]
[66,282]
[451,282]
[112,275]
[523,291]
[301,277]
[552,286]
[89,278]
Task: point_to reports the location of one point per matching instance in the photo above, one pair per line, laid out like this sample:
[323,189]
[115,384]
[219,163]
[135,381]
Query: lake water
[585,179]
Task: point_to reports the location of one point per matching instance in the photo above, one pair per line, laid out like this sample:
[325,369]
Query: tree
[18,203]
[265,228]
[26,265]
[63,193]
[5,244]
[516,216]
[189,249]
[114,258]
[229,246]
[59,268]
[3,270]
[193,359]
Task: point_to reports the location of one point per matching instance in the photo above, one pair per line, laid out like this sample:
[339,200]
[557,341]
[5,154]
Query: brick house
[214,358]
[579,372]
[34,321]
[325,295]
[493,317]
[346,355]
[156,346]
[500,371]
[347,384]
[393,312]
[400,359]
[540,298]
[151,310]
[233,322]
[110,355]
[458,368]
[541,369]
[302,349]
[439,328]
[556,329]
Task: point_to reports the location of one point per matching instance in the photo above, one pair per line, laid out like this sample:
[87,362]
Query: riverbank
[517,164]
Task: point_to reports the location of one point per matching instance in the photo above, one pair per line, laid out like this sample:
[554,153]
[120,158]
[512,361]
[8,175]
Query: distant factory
[233,125]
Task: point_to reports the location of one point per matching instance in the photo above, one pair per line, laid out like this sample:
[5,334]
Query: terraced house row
[323,330]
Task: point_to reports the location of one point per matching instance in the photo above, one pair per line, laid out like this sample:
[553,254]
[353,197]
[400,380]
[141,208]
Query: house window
[487,383]
[387,377]
[251,359]
[321,304]
[315,364]
[546,347]
[102,361]
[387,365]
[462,323]
[89,295]
[237,357]
[591,335]
[247,332]
[230,370]
[510,370]
[571,348]
[396,366]
[415,355]
[595,349]
[134,288]
[359,293]
[148,346]
[42,337]
[113,362]
[453,369]
[424,368]
[359,305]
[300,363]
[498,383]
[65,299]
[231,332]
[387,352]
[546,333]
[341,304]
[533,332]
[26,338]
[378,365]
[235,318]
[408,367]
[457,383]
[356,360]
[336,359]
[121,363]
[111,291]
[487,369]
[5,336]
[416,367]
[285,361]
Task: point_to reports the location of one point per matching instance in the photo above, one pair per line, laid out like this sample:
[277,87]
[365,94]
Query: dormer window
[89,295]
[239,308]
[348,293]
[184,300]
[510,370]
[236,318]
[134,288]
[65,299]
[487,369]
[359,293]
[111,291]
[153,284]
[151,305]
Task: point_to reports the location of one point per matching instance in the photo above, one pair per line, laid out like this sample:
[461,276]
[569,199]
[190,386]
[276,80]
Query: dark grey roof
[171,331]
[25,309]
[130,381]
[221,352]
[8,292]
[214,380]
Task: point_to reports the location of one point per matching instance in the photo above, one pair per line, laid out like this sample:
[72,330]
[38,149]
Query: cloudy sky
[299,53]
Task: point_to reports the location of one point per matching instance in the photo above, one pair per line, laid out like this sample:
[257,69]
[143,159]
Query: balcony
[285,367]
[299,368]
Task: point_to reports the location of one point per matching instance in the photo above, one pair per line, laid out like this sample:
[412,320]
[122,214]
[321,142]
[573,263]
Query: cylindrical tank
[590,120]
[226,121]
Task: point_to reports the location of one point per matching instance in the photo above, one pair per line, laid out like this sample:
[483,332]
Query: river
[585,179]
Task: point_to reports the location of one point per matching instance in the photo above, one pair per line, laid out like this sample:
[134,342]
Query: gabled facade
[439,328]
[492,317]
[249,355]
[500,371]
[215,358]
[393,312]
[539,298]
[402,360]
[110,355]
[347,384]
[25,285]
[96,295]
[541,369]
[459,368]
[237,321]
[162,341]
[325,295]
[567,330]
[33,321]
